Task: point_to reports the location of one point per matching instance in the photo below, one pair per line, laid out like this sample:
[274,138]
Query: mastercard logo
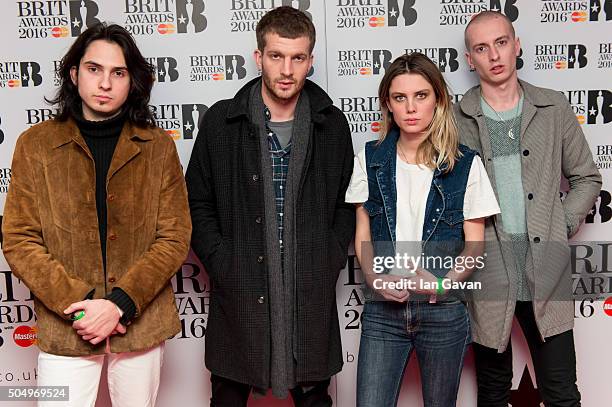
[218,76]
[58,32]
[560,64]
[607,306]
[365,71]
[377,22]
[375,126]
[175,134]
[14,83]
[25,336]
[581,118]
[579,16]
[166,29]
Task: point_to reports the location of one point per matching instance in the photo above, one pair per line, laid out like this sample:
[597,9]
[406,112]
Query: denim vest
[443,225]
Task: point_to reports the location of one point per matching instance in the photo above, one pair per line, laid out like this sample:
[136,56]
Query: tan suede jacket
[51,238]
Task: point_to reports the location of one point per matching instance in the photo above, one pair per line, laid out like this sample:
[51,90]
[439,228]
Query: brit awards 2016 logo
[363,62]
[216,68]
[55,18]
[604,59]
[591,106]
[20,74]
[149,17]
[180,121]
[460,12]
[5,180]
[447,59]
[603,157]
[375,13]
[560,56]
[362,113]
[245,14]
[39,115]
[601,211]
[166,68]
[575,11]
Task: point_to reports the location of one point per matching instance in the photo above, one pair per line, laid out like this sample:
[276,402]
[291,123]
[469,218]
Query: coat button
[530,196]
[261,300]
[112,236]
[260,259]
[525,153]
[255,177]
[111,197]
[258,219]
[111,280]
[536,239]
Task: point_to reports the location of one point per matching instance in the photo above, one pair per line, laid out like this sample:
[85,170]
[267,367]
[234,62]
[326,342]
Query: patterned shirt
[280,167]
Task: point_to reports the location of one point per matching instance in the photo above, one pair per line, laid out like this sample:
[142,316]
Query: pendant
[511,134]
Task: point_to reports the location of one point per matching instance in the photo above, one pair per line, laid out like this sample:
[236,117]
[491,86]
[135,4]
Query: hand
[101,318]
[119,329]
[390,294]
[424,278]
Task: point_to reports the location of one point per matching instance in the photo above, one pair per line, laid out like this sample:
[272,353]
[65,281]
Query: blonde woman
[416,187]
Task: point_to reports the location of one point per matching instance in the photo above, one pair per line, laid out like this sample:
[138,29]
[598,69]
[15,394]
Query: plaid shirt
[280,167]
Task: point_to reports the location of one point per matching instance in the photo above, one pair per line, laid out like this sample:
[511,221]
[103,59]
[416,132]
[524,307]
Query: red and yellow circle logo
[607,306]
[25,336]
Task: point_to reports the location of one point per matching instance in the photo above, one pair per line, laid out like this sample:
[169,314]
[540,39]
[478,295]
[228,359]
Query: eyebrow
[418,91]
[503,37]
[97,65]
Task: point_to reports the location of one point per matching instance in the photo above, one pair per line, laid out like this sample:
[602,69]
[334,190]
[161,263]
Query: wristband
[440,289]
[78,315]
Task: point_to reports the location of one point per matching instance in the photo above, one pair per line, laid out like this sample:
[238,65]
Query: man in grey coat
[528,138]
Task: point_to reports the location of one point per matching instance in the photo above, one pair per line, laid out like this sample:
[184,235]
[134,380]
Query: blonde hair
[440,149]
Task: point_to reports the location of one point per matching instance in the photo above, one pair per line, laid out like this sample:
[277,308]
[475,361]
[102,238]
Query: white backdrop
[203,52]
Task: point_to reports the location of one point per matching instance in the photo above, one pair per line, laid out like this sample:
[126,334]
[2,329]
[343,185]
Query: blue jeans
[440,334]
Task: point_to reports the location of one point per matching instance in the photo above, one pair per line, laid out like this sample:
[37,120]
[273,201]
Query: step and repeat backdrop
[202,51]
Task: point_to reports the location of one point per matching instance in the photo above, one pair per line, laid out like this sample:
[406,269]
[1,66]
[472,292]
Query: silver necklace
[512,122]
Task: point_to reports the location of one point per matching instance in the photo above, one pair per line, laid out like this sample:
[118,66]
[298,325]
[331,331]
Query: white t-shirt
[413,183]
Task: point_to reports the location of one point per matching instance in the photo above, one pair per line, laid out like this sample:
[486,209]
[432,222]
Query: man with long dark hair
[266,183]
[96,222]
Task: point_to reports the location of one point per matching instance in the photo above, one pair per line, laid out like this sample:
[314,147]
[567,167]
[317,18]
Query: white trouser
[133,377]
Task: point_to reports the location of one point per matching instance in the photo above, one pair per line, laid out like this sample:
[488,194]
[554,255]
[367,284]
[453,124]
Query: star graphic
[595,8]
[393,12]
[592,111]
[526,395]
[571,59]
[592,212]
[182,19]
[188,126]
[442,64]
[229,71]
[25,77]
[161,73]
[76,23]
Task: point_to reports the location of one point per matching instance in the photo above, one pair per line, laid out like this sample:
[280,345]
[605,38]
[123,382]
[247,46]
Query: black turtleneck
[101,138]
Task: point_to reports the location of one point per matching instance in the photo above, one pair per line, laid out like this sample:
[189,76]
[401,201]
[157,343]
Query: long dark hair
[141,72]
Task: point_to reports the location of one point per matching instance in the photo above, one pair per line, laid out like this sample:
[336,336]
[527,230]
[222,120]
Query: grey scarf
[281,272]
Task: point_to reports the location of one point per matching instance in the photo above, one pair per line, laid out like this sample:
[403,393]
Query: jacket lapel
[125,151]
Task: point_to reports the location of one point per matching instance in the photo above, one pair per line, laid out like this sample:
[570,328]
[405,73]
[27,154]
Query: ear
[311,62]
[258,57]
[74,75]
[517,45]
[468,58]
